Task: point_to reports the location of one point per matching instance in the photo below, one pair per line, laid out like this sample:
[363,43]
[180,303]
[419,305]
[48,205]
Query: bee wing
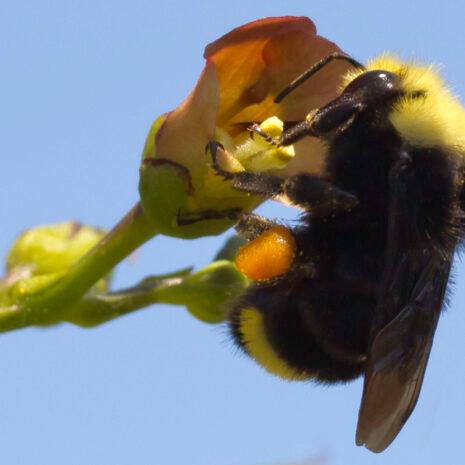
[405,318]
[397,361]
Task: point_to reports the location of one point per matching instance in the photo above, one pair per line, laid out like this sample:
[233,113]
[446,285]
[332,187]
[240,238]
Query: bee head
[375,86]
[419,105]
[373,91]
[409,97]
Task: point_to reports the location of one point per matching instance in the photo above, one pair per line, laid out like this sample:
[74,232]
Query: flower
[244,71]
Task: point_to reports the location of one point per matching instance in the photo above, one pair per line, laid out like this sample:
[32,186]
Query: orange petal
[257,60]
[186,131]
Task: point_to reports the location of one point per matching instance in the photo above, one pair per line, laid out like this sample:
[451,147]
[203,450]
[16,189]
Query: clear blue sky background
[80,84]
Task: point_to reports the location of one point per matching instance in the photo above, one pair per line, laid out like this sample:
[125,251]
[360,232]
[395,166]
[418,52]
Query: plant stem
[93,310]
[203,293]
[47,307]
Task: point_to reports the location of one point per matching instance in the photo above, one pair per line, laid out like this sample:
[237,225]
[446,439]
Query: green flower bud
[52,248]
[207,292]
[42,255]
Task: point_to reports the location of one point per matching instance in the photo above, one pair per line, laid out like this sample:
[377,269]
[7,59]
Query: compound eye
[377,81]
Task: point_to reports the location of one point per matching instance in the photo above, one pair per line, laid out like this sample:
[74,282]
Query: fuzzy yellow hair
[435,120]
[256,342]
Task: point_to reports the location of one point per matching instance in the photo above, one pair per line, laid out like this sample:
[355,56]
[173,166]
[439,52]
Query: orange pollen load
[270,254]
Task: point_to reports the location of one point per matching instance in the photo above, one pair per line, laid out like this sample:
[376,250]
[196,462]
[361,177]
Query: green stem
[93,310]
[44,308]
[204,294]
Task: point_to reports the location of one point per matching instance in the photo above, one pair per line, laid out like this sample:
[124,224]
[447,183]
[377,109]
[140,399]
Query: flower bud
[207,292]
[52,248]
[42,255]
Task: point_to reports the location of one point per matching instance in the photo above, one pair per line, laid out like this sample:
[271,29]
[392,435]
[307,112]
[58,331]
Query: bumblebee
[358,286]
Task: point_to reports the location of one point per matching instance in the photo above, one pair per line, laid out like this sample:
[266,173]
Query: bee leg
[251,226]
[256,129]
[316,195]
[305,190]
[252,183]
[309,192]
[185,219]
[212,149]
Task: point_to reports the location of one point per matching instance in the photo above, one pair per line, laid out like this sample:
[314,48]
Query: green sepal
[165,188]
[207,292]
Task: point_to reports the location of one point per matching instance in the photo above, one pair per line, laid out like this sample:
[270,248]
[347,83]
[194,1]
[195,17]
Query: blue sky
[80,84]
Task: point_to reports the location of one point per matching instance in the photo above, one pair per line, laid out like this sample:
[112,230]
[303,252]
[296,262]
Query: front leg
[250,226]
[307,191]
[252,183]
[185,219]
